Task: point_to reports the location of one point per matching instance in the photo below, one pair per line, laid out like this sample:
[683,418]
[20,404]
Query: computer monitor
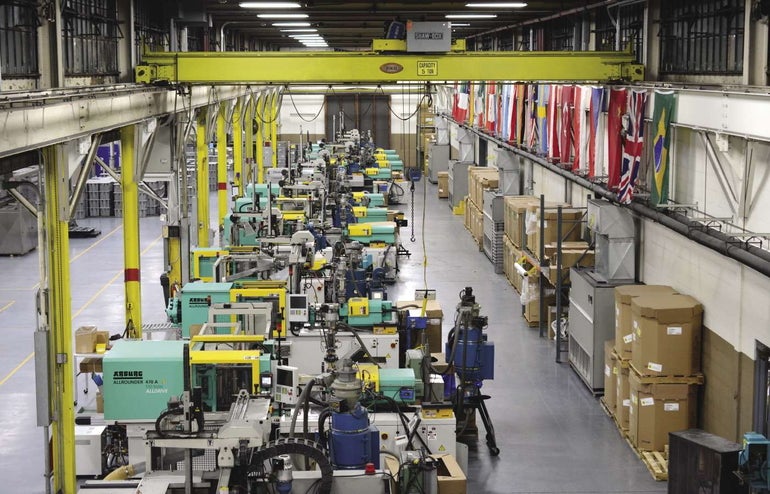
[286,381]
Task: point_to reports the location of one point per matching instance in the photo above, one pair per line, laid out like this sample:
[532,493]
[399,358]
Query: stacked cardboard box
[479,179]
[515,213]
[571,230]
[665,367]
[572,254]
[623,324]
[511,254]
[443,185]
[474,222]
[532,308]
[610,376]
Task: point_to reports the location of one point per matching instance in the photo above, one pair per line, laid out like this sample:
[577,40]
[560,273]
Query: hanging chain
[411,189]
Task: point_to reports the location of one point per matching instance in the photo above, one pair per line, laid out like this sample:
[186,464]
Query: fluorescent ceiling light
[300,36]
[282,16]
[291,24]
[269,5]
[460,24]
[470,16]
[307,30]
[499,5]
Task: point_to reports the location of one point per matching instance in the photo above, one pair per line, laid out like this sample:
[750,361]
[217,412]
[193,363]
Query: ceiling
[352,24]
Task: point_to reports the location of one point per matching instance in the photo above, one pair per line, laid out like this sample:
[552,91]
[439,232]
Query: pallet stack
[657,366]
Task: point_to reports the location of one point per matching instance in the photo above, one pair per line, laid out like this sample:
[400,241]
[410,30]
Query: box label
[671,407]
[615,370]
[628,339]
[654,367]
[607,370]
[647,402]
[674,330]
[627,403]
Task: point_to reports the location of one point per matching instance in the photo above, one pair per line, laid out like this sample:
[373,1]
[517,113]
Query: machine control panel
[298,308]
[286,381]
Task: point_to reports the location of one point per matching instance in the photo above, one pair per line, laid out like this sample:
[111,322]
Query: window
[90,36]
[702,37]
[18,39]
[629,21]
[151,27]
[560,35]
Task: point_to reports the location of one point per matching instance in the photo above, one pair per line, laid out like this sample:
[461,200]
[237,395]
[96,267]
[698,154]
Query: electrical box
[358,307]
[89,444]
[360,230]
[425,37]
[398,384]
[359,211]
[140,377]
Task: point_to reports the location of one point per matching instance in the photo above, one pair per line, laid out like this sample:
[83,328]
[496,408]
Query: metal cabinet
[438,161]
[18,230]
[458,181]
[591,323]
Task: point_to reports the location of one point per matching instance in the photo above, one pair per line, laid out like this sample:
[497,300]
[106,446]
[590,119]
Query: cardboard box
[99,402]
[623,400]
[480,178]
[532,309]
[657,409]
[474,222]
[515,212]
[623,330]
[550,228]
[451,479]
[667,335]
[91,364]
[85,339]
[443,185]
[435,321]
[569,258]
[610,375]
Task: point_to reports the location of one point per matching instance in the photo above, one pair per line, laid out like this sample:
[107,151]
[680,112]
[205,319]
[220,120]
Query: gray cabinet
[591,323]
[458,181]
[18,230]
[438,161]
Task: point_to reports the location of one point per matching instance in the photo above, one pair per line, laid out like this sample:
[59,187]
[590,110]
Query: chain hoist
[411,190]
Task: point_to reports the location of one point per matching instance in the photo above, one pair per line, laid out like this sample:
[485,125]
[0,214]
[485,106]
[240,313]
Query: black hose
[325,414]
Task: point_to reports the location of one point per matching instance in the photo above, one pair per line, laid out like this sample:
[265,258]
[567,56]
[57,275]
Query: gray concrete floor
[552,433]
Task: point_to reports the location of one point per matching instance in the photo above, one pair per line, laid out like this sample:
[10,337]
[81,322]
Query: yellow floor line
[90,301]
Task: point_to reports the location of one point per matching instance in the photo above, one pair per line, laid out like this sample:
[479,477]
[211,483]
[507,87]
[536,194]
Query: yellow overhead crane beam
[374,67]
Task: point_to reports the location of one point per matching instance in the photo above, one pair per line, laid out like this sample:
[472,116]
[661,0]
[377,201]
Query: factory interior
[408,247]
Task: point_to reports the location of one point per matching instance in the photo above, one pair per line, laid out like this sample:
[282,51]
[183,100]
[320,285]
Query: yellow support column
[202,179]
[248,126]
[260,138]
[238,145]
[274,126]
[131,254]
[59,309]
[221,164]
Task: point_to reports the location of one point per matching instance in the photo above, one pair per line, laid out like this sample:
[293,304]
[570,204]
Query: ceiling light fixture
[291,24]
[499,5]
[269,5]
[316,35]
[460,24]
[470,16]
[282,16]
[308,30]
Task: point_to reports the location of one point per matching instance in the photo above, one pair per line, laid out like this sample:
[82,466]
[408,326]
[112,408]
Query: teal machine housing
[196,297]
[384,231]
[140,377]
[380,312]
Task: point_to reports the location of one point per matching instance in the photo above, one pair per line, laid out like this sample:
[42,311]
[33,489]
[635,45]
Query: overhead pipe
[748,255]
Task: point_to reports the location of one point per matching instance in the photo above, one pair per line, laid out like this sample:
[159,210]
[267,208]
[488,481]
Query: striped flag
[665,104]
[543,92]
[580,126]
[554,119]
[565,129]
[521,90]
[463,102]
[615,112]
[633,143]
[595,131]
[531,131]
[490,119]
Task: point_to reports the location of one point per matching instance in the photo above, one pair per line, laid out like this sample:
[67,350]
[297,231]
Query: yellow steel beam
[248,127]
[60,319]
[202,179]
[131,254]
[274,108]
[260,137]
[221,164]
[369,67]
[228,338]
[238,114]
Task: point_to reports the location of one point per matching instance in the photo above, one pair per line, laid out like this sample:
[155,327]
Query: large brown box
[610,376]
[667,335]
[550,228]
[435,318]
[657,409]
[623,400]
[515,213]
[569,258]
[451,479]
[443,185]
[532,309]
[623,330]
[85,339]
[474,222]
[480,178]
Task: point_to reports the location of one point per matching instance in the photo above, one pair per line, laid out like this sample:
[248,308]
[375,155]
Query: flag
[543,91]
[595,131]
[479,105]
[463,102]
[554,119]
[633,143]
[531,128]
[565,127]
[490,119]
[503,122]
[665,105]
[580,126]
[521,91]
[615,112]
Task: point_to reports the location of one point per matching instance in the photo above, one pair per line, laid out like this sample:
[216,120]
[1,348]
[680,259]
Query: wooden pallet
[694,379]
[656,463]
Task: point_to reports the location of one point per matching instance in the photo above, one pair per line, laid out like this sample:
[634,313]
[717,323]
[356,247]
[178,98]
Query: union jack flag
[633,144]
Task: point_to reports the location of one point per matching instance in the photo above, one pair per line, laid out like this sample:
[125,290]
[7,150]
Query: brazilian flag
[665,104]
